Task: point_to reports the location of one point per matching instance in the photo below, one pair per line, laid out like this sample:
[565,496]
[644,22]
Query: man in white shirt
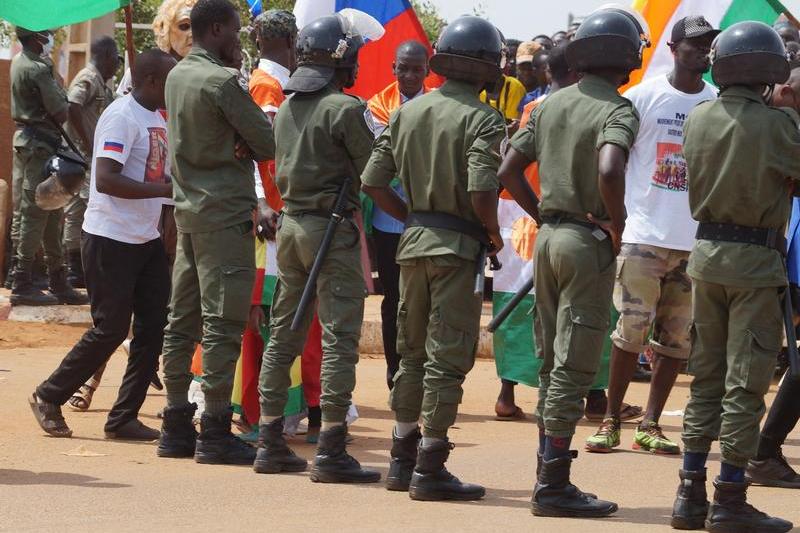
[652,291]
[124,259]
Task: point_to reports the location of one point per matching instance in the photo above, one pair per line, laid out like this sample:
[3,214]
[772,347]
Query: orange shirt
[383,104]
[532,172]
[267,93]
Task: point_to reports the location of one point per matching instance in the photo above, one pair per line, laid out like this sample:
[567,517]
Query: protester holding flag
[744,161]
[410,66]
[652,290]
[582,172]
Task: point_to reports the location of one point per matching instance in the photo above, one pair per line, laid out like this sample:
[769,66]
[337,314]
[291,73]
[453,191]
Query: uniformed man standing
[88,96]
[582,172]
[322,137]
[38,104]
[744,160]
[215,131]
[445,148]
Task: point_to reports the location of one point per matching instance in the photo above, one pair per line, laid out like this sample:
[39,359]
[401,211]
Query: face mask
[47,48]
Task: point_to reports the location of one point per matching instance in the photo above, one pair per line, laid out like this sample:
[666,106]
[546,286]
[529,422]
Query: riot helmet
[329,43]
[749,53]
[65,173]
[469,49]
[610,37]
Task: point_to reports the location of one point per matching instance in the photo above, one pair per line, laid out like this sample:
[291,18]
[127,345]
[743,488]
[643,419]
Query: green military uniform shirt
[457,123]
[89,91]
[568,177]
[35,96]
[321,138]
[735,186]
[207,113]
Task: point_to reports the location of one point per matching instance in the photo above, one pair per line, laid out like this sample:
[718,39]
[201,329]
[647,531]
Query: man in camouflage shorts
[652,291]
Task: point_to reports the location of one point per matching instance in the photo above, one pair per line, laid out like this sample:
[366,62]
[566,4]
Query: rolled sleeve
[80,92]
[620,128]
[483,157]
[381,168]
[247,119]
[524,141]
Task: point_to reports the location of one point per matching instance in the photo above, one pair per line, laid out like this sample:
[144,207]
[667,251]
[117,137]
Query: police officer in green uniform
[215,131]
[581,137]
[445,147]
[38,103]
[322,137]
[744,159]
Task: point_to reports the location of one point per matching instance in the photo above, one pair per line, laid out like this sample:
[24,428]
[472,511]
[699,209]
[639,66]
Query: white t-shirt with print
[137,138]
[656,184]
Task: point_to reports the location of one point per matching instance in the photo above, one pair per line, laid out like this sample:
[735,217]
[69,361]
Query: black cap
[691,27]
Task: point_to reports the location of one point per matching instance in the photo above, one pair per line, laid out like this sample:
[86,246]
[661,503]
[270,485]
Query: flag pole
[129,35]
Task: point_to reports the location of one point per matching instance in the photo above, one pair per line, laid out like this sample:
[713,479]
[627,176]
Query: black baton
[512,304]
[337,215]
[791,338]
[480,273]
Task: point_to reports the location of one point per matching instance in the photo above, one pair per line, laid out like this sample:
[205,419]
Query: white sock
[330,425]
[427,441]
[266,420]
[401,429]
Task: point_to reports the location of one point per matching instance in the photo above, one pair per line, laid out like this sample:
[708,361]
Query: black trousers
[389,274]
[782,418]
[122,280]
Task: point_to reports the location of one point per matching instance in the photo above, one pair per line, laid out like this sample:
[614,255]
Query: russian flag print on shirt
[112,146]
[396,16]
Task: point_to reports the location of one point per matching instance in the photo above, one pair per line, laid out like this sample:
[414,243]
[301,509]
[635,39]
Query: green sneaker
[649,437]
[606,438]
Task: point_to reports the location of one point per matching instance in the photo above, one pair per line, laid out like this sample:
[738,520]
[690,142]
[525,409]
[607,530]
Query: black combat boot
[691,503]
[333,464]
[274,455]
[404,457]
[61,289]
[432,482]
[554,495]
[75,269]
[24,293]
[216,445]
[178,435]
[730,512]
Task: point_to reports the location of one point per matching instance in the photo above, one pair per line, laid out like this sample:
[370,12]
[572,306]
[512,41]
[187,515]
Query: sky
[522,19]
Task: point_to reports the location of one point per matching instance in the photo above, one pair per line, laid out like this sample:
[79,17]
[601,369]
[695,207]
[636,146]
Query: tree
[428,15]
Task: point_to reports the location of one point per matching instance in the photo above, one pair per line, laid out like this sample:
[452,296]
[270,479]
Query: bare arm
[110,181]
[512,177]
[611,182]
[485,205]
[388,200]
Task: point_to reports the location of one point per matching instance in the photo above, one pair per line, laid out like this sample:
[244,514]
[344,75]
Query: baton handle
[512,304]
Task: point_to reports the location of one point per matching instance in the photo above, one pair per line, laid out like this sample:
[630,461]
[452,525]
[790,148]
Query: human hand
[255,319]
[613,230]
[266,222]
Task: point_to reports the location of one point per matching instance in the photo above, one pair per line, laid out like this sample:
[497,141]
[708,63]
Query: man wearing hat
[744,161]
[532,71]
[322,137]
[652,290]
[582,175]
[38,106]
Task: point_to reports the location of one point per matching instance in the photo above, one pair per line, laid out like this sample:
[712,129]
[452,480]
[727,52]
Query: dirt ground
[49,484]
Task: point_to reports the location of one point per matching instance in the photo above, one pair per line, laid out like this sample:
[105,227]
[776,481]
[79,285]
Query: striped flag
[48,14]
[661,15]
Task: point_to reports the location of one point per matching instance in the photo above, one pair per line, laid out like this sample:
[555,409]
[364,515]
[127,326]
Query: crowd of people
[668,203]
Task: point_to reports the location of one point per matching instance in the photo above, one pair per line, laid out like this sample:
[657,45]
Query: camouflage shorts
[653,292]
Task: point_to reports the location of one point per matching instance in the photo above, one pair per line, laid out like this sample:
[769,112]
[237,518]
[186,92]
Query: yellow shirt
[511,95]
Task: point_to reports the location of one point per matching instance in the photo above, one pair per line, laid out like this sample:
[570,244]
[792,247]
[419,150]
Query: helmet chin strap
[766,95]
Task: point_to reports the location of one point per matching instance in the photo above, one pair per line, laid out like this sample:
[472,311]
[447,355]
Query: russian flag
[400,22]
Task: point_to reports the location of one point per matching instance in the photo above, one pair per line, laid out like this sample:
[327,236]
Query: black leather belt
[560,219]
[36,134]
[322,213]
[437,219]
[771,238]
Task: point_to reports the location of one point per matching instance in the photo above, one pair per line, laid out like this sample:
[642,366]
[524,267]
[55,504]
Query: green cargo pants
[17,176]
[574,273]
[736,336]
[438,322]
[37,227]
[212,280]
[73,218]
[340,306]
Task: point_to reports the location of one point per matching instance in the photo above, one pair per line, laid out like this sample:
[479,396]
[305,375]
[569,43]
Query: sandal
[49,417]
[626,414]
[516,415]
[82,399]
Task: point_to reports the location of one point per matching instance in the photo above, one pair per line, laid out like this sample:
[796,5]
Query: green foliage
[428,15]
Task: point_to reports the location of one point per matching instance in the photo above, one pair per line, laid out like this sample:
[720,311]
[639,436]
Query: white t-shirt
[137,138]
[656,184]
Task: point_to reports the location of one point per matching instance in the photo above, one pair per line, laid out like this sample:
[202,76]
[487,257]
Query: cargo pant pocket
[586,332]
[236,286]
[755,365]
[455,345]
[348,305]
